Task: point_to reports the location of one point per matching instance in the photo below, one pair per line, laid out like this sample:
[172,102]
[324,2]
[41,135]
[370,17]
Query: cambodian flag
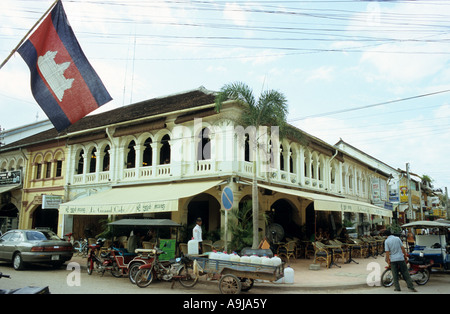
[62,80]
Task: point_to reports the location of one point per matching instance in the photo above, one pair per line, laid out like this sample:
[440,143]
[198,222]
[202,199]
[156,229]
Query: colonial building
[12,166]
[171,157]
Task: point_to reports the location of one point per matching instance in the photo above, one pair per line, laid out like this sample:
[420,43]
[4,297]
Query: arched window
[80,163]
[164,156]
[131,156]
[291,162]
[247,148]
[281,158]
[147,158]
[93,161]
[204,145]
[106,159]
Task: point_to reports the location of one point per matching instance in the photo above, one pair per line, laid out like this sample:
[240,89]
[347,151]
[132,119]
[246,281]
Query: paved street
[63,281]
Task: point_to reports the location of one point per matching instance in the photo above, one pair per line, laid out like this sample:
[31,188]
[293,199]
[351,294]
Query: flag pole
[26,36]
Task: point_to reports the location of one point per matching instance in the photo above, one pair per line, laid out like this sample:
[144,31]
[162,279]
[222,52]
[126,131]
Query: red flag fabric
[63,82]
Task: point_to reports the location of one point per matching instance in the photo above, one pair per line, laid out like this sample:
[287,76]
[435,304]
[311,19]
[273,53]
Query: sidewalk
[347,276]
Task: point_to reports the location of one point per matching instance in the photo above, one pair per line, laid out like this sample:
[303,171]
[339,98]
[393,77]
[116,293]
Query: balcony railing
[197,169]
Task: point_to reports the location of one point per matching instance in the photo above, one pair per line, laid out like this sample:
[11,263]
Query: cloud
[409,51]
[421,140]
[324,73]
[234,13]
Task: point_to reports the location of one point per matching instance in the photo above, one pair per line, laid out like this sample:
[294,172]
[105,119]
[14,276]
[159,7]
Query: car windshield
[42,235]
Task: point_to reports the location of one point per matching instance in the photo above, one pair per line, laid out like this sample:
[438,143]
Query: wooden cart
[237,276]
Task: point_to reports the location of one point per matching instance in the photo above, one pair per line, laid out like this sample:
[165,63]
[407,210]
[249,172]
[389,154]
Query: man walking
[396,258]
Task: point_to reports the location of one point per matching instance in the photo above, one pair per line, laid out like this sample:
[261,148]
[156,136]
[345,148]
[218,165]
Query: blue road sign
[227,198]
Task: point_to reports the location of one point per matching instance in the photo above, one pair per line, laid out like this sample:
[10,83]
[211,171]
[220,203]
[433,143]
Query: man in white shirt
[197,233]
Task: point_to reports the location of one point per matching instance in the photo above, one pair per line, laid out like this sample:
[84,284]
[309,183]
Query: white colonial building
[171,157]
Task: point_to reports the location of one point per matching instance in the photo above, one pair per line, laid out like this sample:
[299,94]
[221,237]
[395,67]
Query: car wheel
[18,263]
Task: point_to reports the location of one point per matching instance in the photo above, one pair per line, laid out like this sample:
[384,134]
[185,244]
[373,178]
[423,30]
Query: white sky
[325,56]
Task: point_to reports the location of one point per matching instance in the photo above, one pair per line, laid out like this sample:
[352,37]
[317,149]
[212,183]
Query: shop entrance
[8,217]
[282,212]
[45,218]
[206,207]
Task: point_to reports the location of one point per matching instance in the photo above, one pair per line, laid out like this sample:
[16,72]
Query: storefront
[167,200]
[321,210]
[10,197]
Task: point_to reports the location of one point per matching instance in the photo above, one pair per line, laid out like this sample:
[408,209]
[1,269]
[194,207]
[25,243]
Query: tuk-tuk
[161,228]
[432,241]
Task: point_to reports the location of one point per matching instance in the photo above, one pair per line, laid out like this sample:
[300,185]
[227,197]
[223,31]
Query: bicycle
[81,247]
[180,269]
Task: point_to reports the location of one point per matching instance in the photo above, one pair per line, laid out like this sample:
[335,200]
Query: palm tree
[270,109]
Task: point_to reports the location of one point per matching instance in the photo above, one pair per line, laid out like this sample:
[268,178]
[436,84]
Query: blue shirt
[393,245]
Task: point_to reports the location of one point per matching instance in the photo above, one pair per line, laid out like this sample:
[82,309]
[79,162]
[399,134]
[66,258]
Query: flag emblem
[63,82]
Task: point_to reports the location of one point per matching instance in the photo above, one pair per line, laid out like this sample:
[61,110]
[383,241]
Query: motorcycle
[178,268]
[419,270]
[25,290]
[100,263]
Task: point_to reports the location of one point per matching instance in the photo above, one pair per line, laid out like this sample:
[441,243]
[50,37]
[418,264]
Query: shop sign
[11,177]
[51,201]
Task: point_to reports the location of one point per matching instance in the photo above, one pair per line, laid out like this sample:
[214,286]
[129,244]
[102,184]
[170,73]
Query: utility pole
[409,189]
[446,203]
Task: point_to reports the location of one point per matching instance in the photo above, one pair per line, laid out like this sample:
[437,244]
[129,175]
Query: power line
[369,106]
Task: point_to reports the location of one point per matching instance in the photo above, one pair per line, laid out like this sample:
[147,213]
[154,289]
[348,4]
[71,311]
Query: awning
[333,203]
[136,200]
[153,223]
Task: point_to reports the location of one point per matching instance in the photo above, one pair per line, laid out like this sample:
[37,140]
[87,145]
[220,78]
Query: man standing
[396,258]
[197,233]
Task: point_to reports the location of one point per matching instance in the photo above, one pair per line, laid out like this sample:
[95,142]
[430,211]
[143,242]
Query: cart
[237,276]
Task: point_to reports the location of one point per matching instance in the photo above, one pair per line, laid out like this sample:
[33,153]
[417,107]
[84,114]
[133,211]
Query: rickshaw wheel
[230,284]
[132,271]
[144,277]
[116,271]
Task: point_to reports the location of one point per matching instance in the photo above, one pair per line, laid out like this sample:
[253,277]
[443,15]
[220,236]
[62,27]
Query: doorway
[45,218]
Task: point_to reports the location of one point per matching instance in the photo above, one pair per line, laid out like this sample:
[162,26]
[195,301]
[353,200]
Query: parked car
[34,246]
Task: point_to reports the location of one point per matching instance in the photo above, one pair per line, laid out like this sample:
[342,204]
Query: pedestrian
[197,233]
[396,258]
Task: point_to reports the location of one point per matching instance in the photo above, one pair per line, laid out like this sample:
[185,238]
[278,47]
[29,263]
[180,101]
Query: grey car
[34,246]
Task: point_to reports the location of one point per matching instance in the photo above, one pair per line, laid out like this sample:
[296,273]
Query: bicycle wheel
[187,277]
[144,277]
[77,246]
[387,279]
[84,250]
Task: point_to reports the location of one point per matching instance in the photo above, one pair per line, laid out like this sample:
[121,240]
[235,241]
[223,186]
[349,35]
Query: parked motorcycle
[101,261]
[179,268]
[25,290]
[419,270]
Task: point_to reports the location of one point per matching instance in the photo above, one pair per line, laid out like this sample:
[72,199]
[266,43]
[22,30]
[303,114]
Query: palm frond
[237,91]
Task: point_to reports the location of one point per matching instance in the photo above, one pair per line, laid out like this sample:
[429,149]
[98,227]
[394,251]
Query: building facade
[171,157]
